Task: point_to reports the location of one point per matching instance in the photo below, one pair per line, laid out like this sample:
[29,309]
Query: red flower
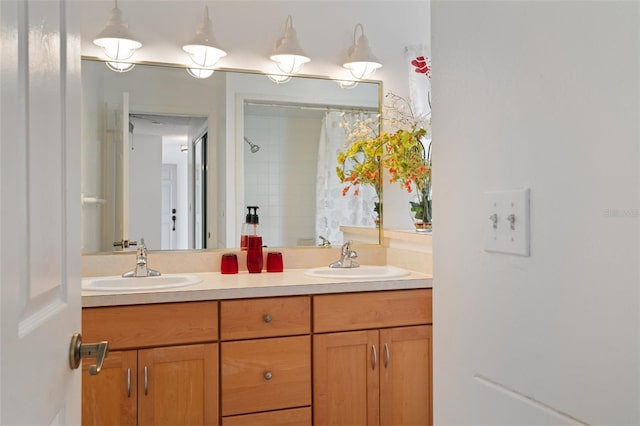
[422,66]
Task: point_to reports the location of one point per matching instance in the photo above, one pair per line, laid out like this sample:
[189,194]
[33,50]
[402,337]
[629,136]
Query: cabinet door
[346,378]
[178,385]
[109,398]
[405,376]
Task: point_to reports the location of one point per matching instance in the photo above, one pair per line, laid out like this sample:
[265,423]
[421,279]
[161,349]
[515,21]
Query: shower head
[254,148]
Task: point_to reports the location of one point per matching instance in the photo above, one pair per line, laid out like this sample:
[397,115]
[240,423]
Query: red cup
[229,264]
[274,262]
[254,254]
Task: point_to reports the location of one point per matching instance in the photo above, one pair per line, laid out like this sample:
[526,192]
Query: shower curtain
[332,208]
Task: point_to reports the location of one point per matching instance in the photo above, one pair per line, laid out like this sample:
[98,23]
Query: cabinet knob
[268,375]
[267,318]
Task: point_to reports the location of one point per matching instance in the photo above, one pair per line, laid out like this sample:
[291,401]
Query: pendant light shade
[203,48]
[200,72]
[360,60]
[117,42]
[279,79]
[288,55]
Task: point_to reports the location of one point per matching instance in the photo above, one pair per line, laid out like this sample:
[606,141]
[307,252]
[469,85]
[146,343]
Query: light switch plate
[507,221]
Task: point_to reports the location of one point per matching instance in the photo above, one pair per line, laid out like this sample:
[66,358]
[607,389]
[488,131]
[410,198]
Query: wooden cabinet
[380,374]
[337,359]
[175,385]
[261,375]
[178,385]
[110,398]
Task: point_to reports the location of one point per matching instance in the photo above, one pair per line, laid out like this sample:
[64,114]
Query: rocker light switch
[507,221]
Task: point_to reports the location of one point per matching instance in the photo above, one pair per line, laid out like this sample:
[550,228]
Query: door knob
[79,350]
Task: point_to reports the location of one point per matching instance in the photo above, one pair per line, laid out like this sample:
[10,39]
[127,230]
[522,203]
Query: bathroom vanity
[263,349]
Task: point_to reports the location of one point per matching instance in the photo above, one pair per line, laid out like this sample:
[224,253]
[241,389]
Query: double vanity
[304,346]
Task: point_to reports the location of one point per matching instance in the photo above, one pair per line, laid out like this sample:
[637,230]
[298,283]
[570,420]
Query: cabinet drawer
[269,317]
[357,311]
[293,417]
[263,375]
[139,326]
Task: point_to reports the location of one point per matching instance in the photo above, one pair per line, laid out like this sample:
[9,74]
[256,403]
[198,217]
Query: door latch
[79,350]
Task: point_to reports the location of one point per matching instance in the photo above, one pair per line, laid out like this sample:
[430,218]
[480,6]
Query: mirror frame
[239,146]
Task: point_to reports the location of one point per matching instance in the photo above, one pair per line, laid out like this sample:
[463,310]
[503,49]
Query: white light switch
[507,221]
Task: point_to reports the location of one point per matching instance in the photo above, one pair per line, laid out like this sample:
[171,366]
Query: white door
[169,213]
[39,211]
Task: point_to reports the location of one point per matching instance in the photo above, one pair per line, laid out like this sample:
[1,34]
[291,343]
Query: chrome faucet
[325,242]
[141,269]
[346,257]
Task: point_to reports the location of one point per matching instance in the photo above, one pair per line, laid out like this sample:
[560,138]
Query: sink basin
[362,272]
[117,283]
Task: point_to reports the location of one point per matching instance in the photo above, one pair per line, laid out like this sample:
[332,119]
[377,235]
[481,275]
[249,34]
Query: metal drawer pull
[268,375]
[387,355]
[129,382]
[267,318]
[146,380]
[374,354]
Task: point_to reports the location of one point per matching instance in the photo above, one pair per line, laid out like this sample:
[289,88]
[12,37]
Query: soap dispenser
[254,242]
[250,226]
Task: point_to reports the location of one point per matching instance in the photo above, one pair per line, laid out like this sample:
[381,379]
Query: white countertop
[216,286]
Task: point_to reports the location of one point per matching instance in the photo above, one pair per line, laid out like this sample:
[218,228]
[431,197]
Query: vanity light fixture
[117,42]
[360,61]
[347,84]
[279,79]
[288,55]
[200,72]
[203,49]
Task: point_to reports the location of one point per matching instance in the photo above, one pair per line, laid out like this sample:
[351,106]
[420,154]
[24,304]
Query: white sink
[118,283]
[361,272]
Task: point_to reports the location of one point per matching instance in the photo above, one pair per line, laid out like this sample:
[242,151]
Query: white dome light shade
[200,72]
[279,79]
[202,48]
[360,61]
[288,55]
[116,40]
[347,84]
[120,66]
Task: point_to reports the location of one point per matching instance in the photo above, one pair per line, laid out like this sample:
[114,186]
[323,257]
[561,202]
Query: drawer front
[358,311]
[268,317]
[139,326]
[263,375]
[292,417]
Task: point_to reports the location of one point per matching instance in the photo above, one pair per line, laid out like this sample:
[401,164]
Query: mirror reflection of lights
[279,79]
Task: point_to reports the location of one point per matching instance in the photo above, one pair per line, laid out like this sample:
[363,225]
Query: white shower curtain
[332,208]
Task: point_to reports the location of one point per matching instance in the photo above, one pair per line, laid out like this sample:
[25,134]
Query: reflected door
[168,234]
[199,217]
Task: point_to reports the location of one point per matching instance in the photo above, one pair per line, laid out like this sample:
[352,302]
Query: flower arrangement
[360,162]
[408,157]
[399,150]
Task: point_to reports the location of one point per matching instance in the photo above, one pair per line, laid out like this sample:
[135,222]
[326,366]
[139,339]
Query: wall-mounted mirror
[176,160]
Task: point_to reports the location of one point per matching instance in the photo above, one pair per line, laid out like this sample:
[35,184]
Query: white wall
[542,95]
[281,177]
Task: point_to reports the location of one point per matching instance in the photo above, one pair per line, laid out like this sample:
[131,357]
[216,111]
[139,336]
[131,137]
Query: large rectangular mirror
[176,160]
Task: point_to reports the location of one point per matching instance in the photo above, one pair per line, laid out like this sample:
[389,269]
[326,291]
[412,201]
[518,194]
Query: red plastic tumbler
[274,262]
[254,254]
[229,264]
